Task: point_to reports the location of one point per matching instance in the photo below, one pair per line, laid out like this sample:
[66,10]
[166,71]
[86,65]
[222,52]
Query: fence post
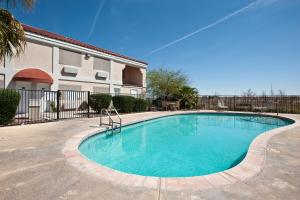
[57,104]
[234,102]
[88,102]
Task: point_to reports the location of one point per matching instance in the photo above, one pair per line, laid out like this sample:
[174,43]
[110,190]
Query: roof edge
[45,33]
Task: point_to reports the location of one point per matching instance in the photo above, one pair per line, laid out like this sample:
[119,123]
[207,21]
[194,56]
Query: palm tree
[188,97]
[12,36]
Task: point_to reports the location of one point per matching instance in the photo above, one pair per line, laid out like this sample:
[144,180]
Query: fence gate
[36,106]
[72,104]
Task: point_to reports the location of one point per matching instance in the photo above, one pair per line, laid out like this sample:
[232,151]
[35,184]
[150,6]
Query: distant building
[55,62]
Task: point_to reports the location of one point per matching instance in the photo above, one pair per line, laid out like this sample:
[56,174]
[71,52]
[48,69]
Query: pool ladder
[115,125]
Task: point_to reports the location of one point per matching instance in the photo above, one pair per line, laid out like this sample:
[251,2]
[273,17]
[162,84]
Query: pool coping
[252,164]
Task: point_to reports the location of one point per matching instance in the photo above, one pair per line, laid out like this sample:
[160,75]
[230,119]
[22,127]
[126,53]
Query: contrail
[101,5]
[219,21]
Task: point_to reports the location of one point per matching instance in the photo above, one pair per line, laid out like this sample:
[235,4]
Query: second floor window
[101,64]
[69,58]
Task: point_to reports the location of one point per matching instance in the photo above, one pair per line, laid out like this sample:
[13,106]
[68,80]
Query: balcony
[132,76]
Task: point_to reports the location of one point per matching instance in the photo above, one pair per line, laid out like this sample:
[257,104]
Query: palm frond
[27,4]
[12,36]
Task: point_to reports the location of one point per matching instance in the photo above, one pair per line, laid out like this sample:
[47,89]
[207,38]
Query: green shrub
[99,101]
[83,106]
[53,106]
[124,103]
[9,101]
[140,105]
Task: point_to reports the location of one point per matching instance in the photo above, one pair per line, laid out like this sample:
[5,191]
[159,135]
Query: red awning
[34,75]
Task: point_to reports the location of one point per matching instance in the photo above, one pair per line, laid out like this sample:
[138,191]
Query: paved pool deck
[33,166]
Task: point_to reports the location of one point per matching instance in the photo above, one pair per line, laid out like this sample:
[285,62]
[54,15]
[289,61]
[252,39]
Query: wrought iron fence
[37,106]
[281,104]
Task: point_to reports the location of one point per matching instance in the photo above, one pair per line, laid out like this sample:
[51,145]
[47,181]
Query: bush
[53,106]
[99,101]
[124,103]
[83,106]
[140,105]
[9,101]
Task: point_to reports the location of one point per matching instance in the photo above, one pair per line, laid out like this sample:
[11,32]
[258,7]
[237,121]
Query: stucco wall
[144,72]
[83,86]
[35,55]
[127,90]
[86,70]
[118,68]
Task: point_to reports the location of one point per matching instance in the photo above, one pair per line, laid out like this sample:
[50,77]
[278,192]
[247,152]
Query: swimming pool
[182,145]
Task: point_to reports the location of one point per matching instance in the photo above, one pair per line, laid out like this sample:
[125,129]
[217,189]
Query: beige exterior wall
[36,56]
[144,72]
[39,54]
[128,90]
[118,70]
[81,86]
[87,69]
[2,63]
[101,88]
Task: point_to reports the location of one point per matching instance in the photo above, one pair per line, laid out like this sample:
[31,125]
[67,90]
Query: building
[54,62]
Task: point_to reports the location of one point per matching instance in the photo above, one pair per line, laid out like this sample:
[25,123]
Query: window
[2,81]
[101,64]
[69,87]
[117,91]
[134,92]
[69,58]
[101,89]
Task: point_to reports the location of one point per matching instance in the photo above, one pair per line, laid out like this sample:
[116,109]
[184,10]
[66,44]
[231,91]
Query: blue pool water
[179,146]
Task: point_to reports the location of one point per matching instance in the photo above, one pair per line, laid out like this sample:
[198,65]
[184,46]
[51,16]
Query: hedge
[9,101]
[140,105]
[124,103]
[99,101]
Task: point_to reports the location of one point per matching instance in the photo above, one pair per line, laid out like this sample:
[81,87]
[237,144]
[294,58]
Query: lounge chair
[164,105]
[221,105]
[263,108]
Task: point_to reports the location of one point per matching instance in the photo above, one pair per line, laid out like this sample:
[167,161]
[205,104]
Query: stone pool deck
[32,166]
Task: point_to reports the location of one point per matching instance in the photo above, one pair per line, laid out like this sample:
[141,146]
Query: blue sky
[238,44]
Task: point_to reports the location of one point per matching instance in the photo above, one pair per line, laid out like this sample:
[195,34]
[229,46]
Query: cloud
[101,5]
[219,21]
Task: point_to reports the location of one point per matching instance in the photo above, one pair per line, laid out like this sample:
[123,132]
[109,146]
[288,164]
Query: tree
[281,93]
[12,36]
[248,96]
[165,83]
[188,97]
[248,93]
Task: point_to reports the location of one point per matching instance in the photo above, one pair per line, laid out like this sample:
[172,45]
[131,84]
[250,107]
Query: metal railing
[282,104]
[111,122]
[38,106]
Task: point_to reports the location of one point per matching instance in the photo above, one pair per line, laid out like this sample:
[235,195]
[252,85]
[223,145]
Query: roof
[33,74]
[55,36]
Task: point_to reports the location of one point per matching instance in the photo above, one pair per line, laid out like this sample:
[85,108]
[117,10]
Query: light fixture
[87,56]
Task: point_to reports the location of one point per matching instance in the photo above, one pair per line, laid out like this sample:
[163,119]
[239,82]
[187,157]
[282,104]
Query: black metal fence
[37,106]
[281,104]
